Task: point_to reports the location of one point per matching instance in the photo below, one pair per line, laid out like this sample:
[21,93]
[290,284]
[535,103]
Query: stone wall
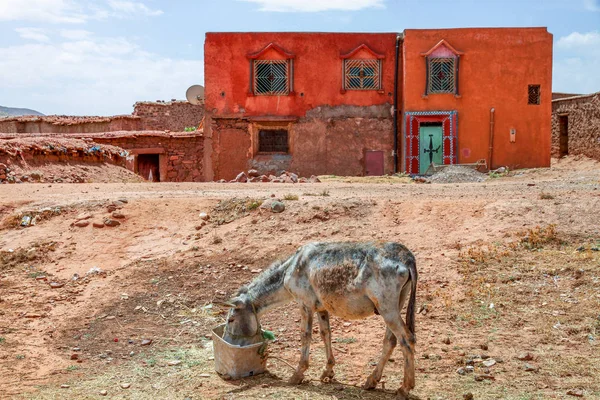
[173,116]
[180,153]
[583,115]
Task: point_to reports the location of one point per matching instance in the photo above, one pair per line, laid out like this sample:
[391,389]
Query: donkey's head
[242,327]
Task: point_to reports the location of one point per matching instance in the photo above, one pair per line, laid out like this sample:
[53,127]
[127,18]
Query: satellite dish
[195,94]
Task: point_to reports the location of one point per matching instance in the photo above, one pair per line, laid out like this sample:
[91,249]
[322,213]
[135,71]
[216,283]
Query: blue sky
[97,57]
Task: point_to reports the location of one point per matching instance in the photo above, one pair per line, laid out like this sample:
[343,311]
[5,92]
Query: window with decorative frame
[442,68]
[271,77]
[271,72]
[361,74]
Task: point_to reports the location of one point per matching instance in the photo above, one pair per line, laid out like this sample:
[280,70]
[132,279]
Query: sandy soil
[491,285]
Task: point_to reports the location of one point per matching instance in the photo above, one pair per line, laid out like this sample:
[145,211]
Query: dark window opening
[148,167]
[273,141]
[534,94]
[563,126]
[442,75]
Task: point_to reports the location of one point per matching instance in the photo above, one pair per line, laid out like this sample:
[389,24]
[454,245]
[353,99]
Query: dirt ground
[508,296]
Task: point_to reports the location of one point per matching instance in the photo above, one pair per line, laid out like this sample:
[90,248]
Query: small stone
[125,385]
[461,371]
[575,392]
[530,368]
[118,215]
[76,349]
[277,206]
[489,362]
[446,340]
[483,346]
[74,356]
[103,392]
[253,173]
[146,342]
[256,271]
[123,200]
[83,216]
[525,357]
[82,224]
[174,362]
[41,278]
[56,285]
[483,377]
[241,177]
[111,222]
[461,353]
[98,224]
[64,386]
[468,396]
[203,216]
[204,375]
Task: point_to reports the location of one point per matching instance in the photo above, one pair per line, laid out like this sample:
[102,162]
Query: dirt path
[160,269]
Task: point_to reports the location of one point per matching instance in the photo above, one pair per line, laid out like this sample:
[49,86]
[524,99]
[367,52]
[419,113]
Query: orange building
[376,103]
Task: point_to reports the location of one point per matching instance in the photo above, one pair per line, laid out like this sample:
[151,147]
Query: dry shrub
[229,210]
[20,256]
[536,238]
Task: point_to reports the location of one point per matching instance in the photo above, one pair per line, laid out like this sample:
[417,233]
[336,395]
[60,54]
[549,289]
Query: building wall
[496,68]
[329,129]
[181,153]
[174,116]
[583,115]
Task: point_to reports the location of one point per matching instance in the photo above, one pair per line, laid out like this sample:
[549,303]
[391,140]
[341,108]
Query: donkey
[349,280]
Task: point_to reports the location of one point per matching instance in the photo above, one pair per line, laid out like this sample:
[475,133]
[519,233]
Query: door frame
[410,133]
[439,151]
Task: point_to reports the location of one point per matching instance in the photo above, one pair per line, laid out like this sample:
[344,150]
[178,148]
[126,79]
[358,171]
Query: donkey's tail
[410,309]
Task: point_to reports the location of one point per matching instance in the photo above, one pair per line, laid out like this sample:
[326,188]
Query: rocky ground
[508,294]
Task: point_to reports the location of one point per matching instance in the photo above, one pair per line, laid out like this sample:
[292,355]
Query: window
[271,77]
[362,74]
[442,75]
[534,94]
[273,141]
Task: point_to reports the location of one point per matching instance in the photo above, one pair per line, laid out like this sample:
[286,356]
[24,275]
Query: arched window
[442,67]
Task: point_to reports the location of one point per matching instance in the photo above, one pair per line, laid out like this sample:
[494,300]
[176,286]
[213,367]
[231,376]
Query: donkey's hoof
[370,384]
[402,394]
[327,375]
[296,379]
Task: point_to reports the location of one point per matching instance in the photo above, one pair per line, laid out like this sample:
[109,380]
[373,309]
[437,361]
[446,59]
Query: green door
[430,147]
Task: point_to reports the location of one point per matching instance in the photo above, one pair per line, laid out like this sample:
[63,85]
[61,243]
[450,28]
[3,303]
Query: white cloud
[53,11]
[591,5]
[589,41]
[75,34]
[71,11]
[315,5]
[126,8]
[577,57]
[35,34]
[92,76]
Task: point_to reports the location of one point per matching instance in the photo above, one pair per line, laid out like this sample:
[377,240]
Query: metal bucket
[238,361]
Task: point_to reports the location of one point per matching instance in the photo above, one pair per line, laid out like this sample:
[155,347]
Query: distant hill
[15,112]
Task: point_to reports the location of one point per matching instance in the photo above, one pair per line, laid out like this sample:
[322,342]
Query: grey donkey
[349,280]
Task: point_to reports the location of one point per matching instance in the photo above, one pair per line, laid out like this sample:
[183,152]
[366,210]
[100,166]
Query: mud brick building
[376,103]
[576,126]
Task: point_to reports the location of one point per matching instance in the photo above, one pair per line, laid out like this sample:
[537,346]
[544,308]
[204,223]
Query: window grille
[362,74]
[271,77]
[534,94]
[442,75]
[273,141]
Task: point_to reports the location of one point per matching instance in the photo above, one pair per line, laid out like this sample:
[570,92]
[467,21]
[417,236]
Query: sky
[98,57]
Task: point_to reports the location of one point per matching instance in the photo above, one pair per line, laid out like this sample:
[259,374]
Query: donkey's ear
[236,302]
[224,304]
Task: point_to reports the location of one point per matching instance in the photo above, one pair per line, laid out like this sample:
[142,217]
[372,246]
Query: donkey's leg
[325,331]
[395,323]
[389,343]
[306,325]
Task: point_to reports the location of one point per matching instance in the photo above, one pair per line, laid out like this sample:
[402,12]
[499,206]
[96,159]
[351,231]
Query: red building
[372,104]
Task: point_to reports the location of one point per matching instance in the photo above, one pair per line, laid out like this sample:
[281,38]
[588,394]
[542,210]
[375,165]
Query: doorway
[430,145]
[374,163]
[148,167]
[563,126]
